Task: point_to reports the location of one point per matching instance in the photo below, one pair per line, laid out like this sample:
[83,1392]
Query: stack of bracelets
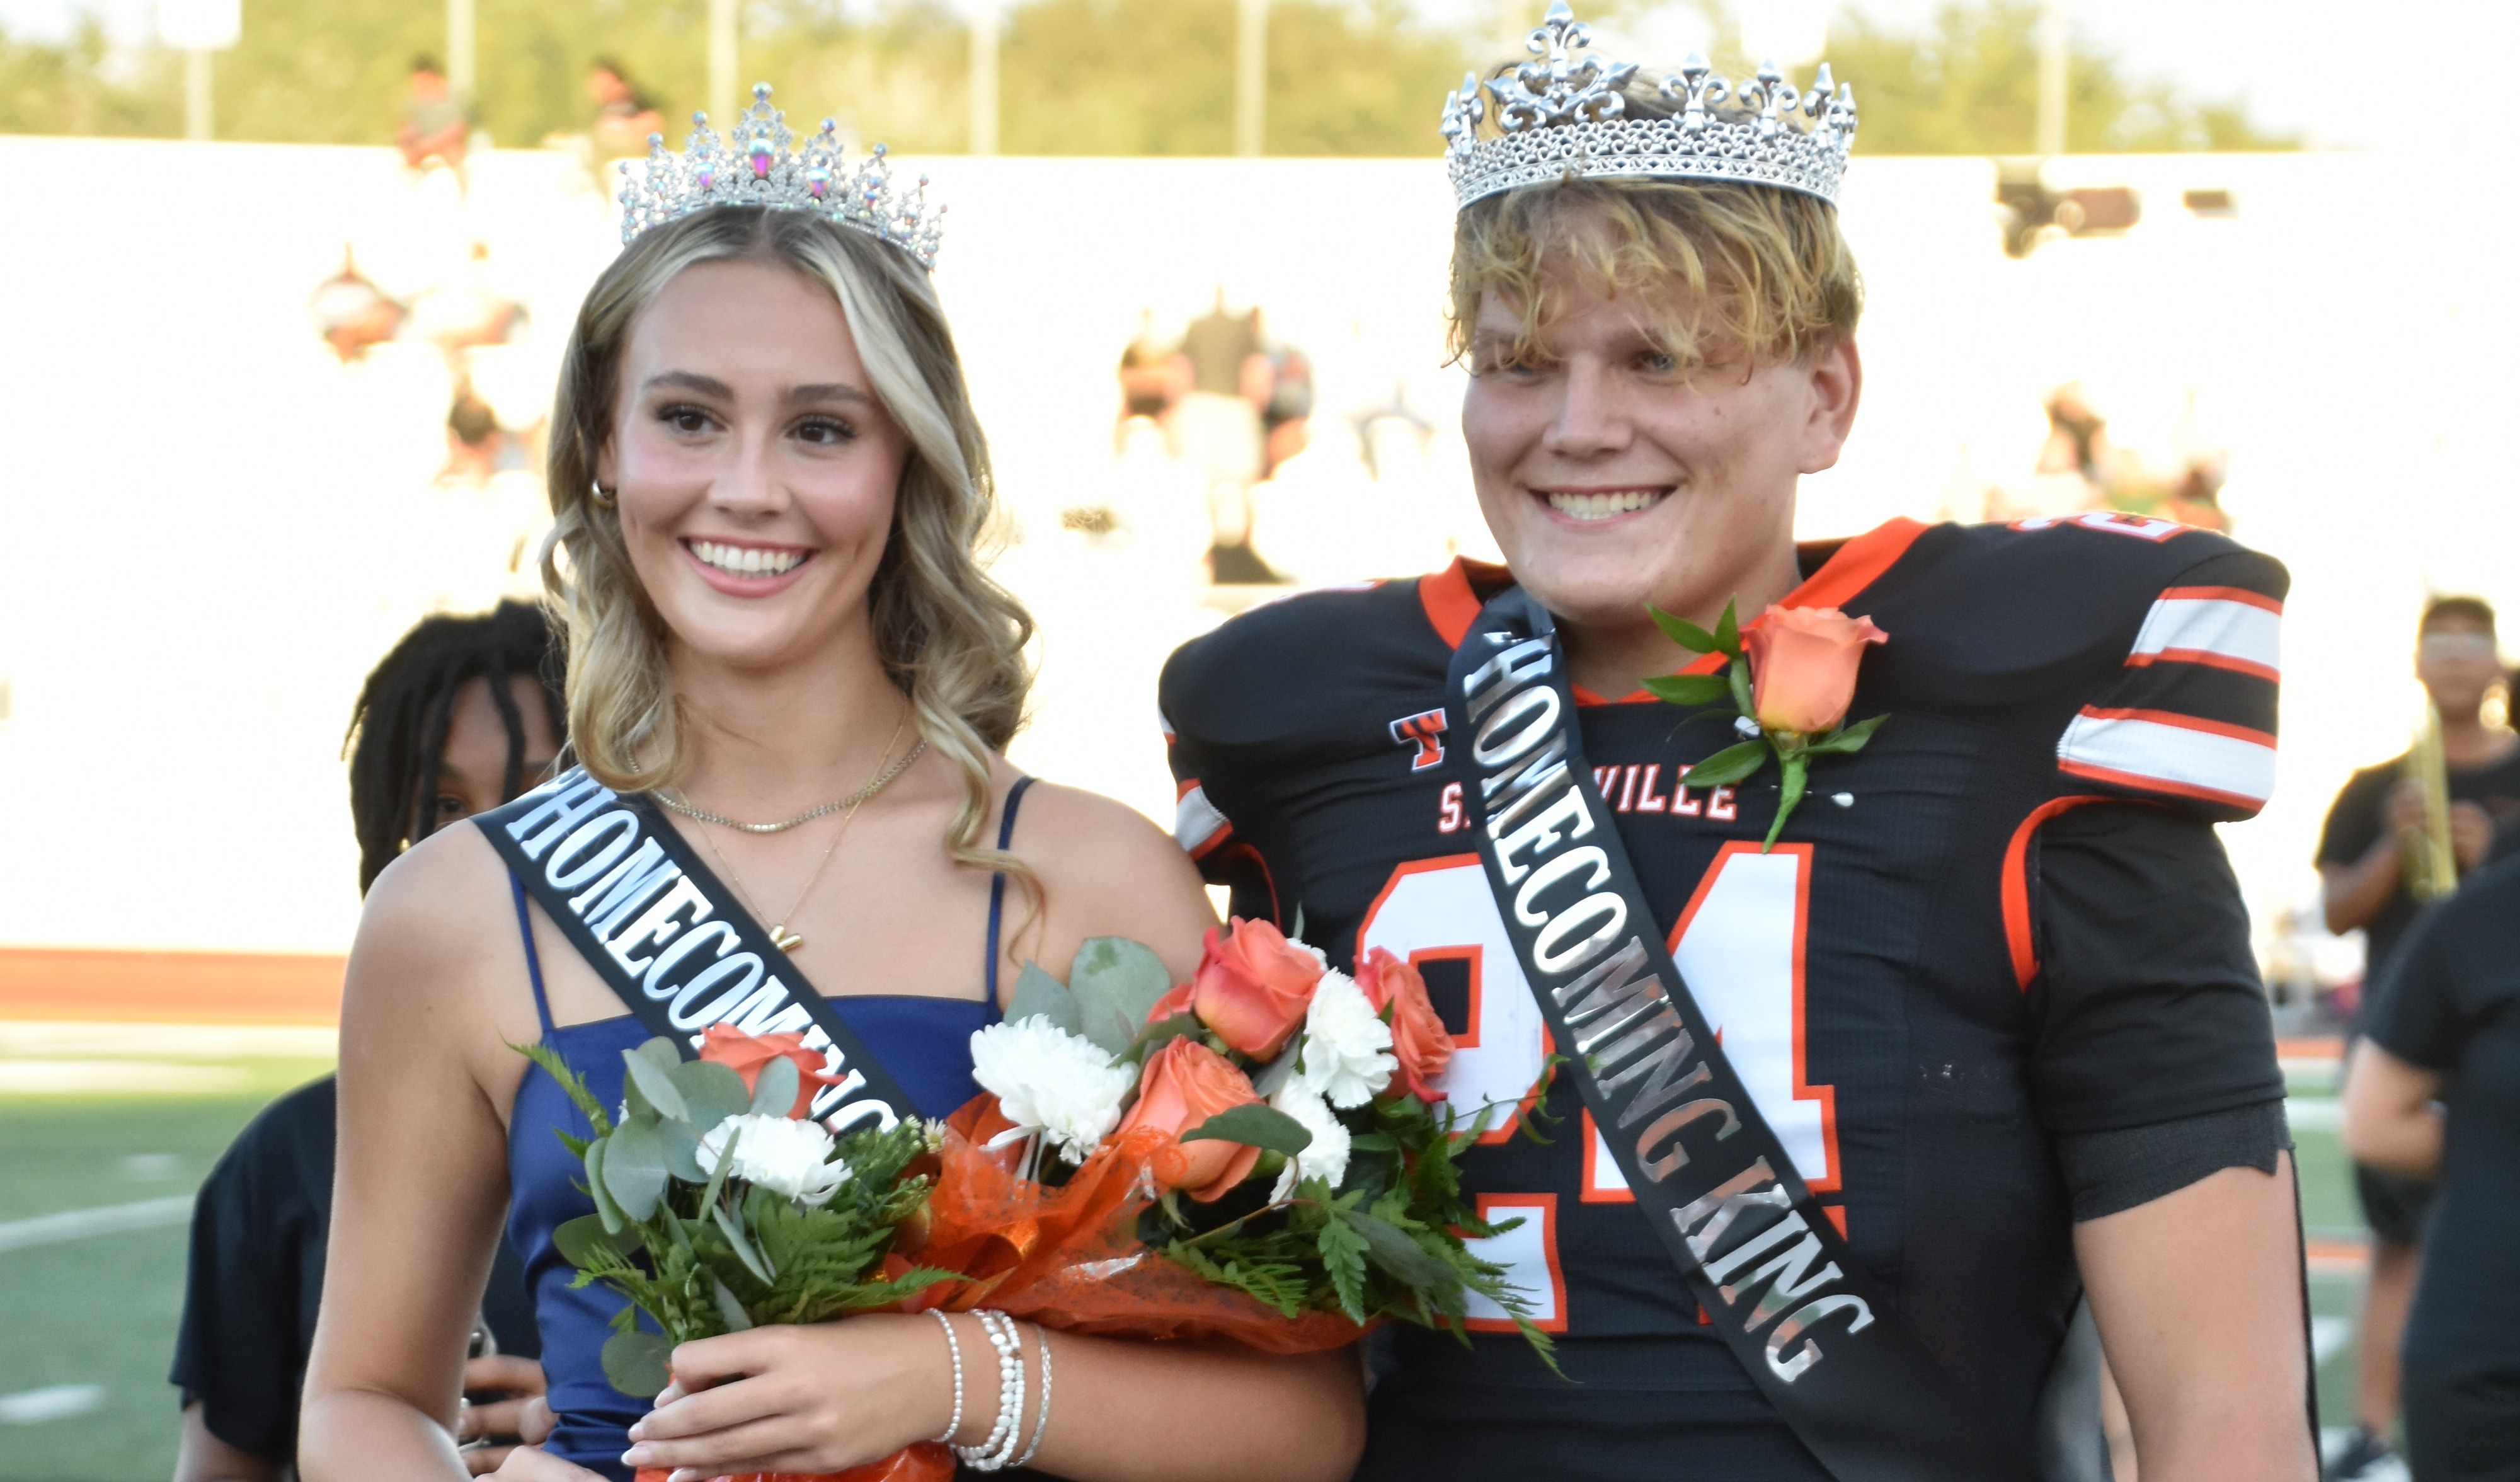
[998,1452]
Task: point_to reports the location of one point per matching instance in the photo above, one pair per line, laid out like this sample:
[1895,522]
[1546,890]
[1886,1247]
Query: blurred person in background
[434,127]
[1285,402]
[2433,1092]
[1217,426]
[2376,821]
[457,719]
[623,116]
[1151,378]
[351,312]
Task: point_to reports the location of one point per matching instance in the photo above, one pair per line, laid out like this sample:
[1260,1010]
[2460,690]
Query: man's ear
[1834,381]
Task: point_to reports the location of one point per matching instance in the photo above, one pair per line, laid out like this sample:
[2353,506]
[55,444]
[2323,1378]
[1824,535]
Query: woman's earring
[595,491]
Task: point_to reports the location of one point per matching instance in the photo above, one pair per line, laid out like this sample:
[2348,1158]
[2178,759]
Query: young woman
[769,488]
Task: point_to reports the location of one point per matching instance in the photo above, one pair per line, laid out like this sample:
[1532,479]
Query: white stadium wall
[210,529]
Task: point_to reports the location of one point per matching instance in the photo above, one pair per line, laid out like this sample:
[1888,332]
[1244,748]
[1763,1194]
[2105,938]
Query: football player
[1992,989]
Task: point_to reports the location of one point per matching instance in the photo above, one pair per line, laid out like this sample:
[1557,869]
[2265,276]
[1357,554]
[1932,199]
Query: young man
[1989,1001]
[2363,866]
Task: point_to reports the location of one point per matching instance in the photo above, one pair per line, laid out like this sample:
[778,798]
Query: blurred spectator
[459,717]
[2434,1092]
[473,440]
[352,313]
[1216,424]
[1286,404]
[434,126]
[2362,856]
[623,116]
[1152,378]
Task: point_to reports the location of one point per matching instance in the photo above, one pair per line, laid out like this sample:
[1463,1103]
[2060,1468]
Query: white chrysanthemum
[1050,1081]
[1326,1157]
[790,1157]
[1347,1047]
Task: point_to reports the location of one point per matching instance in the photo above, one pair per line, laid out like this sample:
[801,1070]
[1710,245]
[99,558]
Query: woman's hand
[524,1413]
[532,1463]
[815,1398]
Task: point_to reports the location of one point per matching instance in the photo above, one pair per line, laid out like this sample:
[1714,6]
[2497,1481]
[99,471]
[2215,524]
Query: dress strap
[533,959]
[998,881]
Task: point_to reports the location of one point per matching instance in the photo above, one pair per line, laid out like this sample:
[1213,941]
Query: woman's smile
[741,569]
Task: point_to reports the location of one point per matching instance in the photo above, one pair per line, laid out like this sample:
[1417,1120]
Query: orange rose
[1170,1005]
[1252,987]
[1185,1083]
[1802,665]
[1419,1038]
[746,1054]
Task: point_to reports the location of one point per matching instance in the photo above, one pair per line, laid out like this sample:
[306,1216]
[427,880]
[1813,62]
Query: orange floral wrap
[1069,1257]
[926,1462]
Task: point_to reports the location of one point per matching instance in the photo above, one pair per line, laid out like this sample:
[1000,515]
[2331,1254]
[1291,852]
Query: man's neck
[1613,658]
[2468,743]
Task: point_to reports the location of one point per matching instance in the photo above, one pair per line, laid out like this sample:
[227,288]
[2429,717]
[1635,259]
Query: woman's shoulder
[1106,870]
[428,909]
[1071,829]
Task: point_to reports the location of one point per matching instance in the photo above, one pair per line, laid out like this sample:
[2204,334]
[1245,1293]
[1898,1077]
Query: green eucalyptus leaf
[732,1227]
[717,1175]
[1162,1032]
[1038,994]
[773,1094]
[656,1083]
[682,1144]
[1729,765]
[633,1101]
[1728,628]
[605,1207]
[634,1167]
[1254,1126]
[711,1093]
[728,1308]
[579,1240]
[1681,631]
[659,1050]
[1688,689]
[638,1364]
[1397,1254]
[1268,1078]
[1116,983]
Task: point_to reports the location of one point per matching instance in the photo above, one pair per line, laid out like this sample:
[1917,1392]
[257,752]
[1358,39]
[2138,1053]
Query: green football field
[89,1321]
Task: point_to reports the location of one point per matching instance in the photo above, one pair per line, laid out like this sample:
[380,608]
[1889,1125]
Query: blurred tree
[1353,77]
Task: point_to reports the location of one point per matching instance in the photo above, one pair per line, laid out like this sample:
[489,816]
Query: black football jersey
[1884,979]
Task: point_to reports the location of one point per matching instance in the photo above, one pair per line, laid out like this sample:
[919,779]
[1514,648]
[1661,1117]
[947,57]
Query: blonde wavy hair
[949,636]
[1725,272]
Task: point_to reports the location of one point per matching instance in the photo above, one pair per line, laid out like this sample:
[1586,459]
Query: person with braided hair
[460,715]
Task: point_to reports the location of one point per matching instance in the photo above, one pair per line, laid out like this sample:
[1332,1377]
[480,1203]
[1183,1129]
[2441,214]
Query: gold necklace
[780,936]
[851,801]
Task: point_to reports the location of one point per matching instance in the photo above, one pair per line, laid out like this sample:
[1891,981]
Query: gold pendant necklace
[780,936]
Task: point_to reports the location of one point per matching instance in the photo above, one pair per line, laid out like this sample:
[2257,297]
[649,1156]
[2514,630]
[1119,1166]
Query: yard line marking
[80,1224]
[57,1401]
[2314,1113]
[2326,1336]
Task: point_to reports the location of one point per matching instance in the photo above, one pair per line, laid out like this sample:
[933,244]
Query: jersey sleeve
[2148,1004]
[2353,823]
[2188,717]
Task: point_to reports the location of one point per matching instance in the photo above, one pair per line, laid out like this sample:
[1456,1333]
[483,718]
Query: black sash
[672,941]
[1771,1272]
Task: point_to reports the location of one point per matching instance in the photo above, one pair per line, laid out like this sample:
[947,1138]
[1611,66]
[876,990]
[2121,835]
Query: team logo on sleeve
[1424,731]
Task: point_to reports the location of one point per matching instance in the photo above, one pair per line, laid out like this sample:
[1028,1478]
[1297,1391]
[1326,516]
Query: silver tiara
[1560,115]
[762,171]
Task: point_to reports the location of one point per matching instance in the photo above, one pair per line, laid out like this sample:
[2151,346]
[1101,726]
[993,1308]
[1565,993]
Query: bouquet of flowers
[1259,1153]
[720,1207]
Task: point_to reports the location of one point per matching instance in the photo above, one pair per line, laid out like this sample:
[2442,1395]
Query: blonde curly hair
[1726,272]
[949,636]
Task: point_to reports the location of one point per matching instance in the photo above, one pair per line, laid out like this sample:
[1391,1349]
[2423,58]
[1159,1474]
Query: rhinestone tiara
[761,170]
[1563,115]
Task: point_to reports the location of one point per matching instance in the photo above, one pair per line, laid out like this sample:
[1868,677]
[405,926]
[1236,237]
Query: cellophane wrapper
[1069,1257]
[926,1462]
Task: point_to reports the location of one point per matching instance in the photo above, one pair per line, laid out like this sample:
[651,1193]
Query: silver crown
[762,171]
[1563,115]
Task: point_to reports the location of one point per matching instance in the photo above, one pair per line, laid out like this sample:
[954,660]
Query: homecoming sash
[1773,1273]
[670,940]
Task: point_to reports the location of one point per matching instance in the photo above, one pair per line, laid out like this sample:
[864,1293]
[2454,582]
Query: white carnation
[1326,1157]
[787,1156]
[1347,1047]
[1052,1081]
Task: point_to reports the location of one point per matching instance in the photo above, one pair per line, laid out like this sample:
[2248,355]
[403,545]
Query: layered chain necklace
[847,807]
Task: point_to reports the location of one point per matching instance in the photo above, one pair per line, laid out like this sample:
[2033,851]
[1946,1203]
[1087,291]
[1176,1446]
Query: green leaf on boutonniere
[1681,631]
[1846,738]
[1739,675]
[1729,765]
[1728,631]
[1688,689]
[1797,773]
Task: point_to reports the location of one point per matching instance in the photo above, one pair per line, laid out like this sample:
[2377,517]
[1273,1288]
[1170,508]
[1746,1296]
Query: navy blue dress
[925,1042]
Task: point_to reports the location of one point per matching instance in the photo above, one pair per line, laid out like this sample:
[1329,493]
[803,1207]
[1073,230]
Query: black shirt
[2018,927]
[256,1273]
[2360,814]
[2452,1005]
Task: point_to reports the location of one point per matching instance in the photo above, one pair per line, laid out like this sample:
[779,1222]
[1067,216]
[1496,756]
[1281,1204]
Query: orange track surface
[170,987]
[2322,1047]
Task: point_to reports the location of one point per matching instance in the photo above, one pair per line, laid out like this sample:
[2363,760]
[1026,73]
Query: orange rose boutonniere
[1791,674]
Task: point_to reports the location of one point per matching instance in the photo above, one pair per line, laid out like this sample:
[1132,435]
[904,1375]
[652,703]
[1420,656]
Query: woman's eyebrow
[688,380]
[833,390]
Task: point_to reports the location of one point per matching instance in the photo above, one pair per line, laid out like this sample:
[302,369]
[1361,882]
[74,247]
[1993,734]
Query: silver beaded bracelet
[1041,1422]
[954,1346]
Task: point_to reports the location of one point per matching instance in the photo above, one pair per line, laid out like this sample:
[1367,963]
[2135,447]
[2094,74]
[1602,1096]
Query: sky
[2315,66]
